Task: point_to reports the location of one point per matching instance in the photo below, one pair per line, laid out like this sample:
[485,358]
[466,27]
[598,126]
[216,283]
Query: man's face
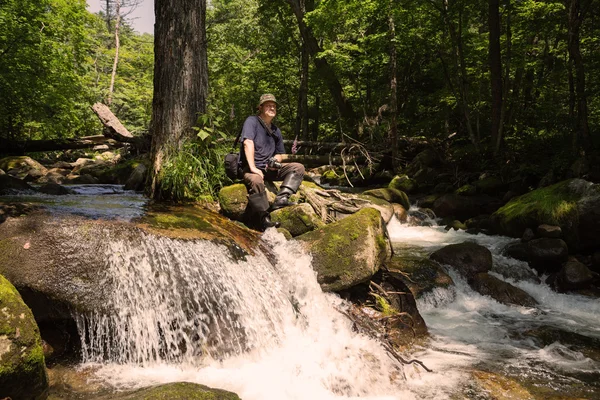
[269,108]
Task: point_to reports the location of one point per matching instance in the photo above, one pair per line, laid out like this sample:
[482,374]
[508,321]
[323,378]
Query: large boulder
[22,367]
[467,258]
[383,206]
[547,255]
[421,275]
[403,183]
[55,175]
[137,179]
[573,275]
[574,205]
[23,167]
[349,251]
[176,391]
[501,291]
[54,189]
[297,219]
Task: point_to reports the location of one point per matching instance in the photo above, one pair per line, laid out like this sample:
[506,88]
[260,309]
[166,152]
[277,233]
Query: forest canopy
[503,75]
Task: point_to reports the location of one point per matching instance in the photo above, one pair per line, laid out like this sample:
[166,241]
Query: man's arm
[249,152]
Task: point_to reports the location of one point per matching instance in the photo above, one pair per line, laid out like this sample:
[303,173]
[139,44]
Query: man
[260,159]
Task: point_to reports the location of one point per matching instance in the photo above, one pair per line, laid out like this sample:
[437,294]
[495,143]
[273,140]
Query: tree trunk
[107,16]
[180,79]
[116,60]
[323,68]
[495,72]
[302,113]
[576,16]
[393,135]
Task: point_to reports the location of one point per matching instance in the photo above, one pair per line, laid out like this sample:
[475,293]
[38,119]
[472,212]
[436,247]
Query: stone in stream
[547,255]
[467,258]
[421,275]
[501,291]
[297,219]
[174,391]
[573,275]
[22,367]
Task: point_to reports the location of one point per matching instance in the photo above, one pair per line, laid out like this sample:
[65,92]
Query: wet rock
[298,219]
[400,212]
[501,291]
[2,172]
[176,391]
[54,189]
[384,207]
[9,183]
[573,275]
[349,251]
[55,175]
[491,185]
[467,258]
[499,387]
[547,335]
[22,368]
[528,235]
[547,255]
[549,231]
[456,225]
[443,187]
[427,201]
[421,275]
[480,222]
[62,165]
[233,200]
[517,250]
[81,162]
[137,179]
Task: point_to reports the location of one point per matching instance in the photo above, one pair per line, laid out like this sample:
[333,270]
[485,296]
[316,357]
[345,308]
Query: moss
[466,190]
[403,183]
[390,195]
[339,249]
[179,391]
[552,205]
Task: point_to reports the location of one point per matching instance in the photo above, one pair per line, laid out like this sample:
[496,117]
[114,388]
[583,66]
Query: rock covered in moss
[385,208]
[491,185]
[467,258]
[23,167]
[464,207]
[349,251]
[390,195]
[22,368]
[297,219]
[403,183]
[574,205]
[466,190]
[233,200]
[137,178]
[178,391]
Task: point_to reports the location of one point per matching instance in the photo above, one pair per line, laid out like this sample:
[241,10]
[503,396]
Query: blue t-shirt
[265,145]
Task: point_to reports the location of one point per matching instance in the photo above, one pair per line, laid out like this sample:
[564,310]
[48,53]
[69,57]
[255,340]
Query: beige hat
[266,97]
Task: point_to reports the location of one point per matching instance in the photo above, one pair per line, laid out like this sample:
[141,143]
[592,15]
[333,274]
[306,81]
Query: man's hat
[266,97]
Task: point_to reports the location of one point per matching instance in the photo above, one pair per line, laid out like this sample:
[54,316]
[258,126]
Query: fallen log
[113,128]
[18,147]
[318,160]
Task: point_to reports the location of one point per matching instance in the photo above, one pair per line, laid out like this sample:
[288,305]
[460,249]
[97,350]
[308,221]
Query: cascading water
[188,311]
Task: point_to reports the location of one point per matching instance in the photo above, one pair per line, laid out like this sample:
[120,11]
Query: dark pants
[255,184]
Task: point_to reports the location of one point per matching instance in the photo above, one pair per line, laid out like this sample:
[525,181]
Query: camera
[274,164]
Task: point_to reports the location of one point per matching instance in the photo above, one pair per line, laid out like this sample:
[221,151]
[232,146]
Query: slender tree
[180,79]
[111,88]
[495,73]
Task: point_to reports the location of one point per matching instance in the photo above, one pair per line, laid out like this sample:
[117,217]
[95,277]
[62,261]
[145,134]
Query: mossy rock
[233,200]
[23,167]
[177,391]
[491,185]
[298,219]
[499,387]
[390,195]
[466,190]
[385,208]
[403,183]
[502,292]
[467,258]
[349,251]
[332,178]
[427,201]
[22,367]
[119,173]
[421,275]
[570,204]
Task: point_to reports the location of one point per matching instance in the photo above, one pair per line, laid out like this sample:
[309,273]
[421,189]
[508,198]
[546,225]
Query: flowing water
[187,311]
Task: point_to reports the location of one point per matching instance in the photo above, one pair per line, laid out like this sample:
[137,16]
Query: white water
[268,331]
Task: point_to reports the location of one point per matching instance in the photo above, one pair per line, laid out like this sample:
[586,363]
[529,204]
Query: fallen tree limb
[17,147]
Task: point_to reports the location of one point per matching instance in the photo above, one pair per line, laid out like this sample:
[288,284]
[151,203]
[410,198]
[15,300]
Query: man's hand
[257,171]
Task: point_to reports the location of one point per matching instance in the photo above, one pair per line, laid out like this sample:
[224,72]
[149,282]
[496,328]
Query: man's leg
[258,201]
[291,175]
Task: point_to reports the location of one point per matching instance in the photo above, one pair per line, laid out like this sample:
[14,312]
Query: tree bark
[116,60]
[393,135]
[495,73]
[180,79]
[19,147]
[322,66]
[576,16]
[302,113]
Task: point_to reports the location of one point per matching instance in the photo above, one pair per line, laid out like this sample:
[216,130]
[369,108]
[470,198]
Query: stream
[187,311]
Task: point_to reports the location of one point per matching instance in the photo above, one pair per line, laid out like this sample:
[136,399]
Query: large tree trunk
[111,88]
[495,72]
[300,7]
[302,113]
[180,79]
[576,16]
[393,134]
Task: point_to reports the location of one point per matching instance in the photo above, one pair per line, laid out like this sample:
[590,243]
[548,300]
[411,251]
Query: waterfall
[186,310]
